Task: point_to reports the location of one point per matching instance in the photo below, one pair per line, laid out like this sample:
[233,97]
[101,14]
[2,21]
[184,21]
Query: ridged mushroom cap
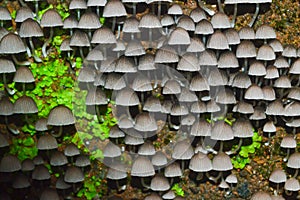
[60,116]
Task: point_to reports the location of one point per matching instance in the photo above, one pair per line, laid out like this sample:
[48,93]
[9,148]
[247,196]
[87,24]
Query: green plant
[24,147]
[178,190]
[242,159]
[91,188]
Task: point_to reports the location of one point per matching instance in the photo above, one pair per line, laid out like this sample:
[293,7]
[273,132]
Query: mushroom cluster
[187,90]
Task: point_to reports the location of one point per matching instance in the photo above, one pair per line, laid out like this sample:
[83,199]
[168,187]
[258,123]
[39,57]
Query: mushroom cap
[220,21]
[103,35]
[182,150]
[23,75]
[11,44]
[10,163]
[114,8]
[30,28]
[173,170]
[145,122]
[40,173]
[261,196]
[73,175]
[159,183]
[79,39]
[242,128]
[117,171]
[77,4]
[89,20]
[127,97]
[294,161]
[4,14]
[6,106]
[218,41]
[147,149]
[200,163]
[265,32]
[142,167]
[292,184]
[201,128]
[58,159]
[204,27]
[51,18]
[70,22]
[25,105]
[7,66]
[41,124]
[222,162]
[278,176]
[47,142]
[111,150]
[60,116]
[49,194]
[179,36]
[71,150]
[222,131]
[21,181]
[150,21]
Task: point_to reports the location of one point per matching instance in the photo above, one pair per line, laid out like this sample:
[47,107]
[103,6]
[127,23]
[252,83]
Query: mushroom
[60,116]
[50,19]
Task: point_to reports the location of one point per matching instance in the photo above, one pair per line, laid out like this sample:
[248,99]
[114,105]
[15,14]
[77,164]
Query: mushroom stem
[159,9]
[78,14]
[215,179]
[119,31]
[199,176]
[22,4]
[113,25]
[255,15]
[134,9]
[26,119]
[47,42]
[24,87]
[221,146]
[150,38]
[289,193]
[11,130]
[37,11]
[81,52]
[245,67]
[28,51]
[36,58]
[234,16]
[296,173]
[22,63]
[220,6]
[100,119]
[285,159]
[235,150]
[9,91]
[98,11]
[206,9]
[144,184]
[59,132]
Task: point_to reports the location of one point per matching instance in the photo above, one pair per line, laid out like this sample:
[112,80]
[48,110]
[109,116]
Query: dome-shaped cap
[60,116]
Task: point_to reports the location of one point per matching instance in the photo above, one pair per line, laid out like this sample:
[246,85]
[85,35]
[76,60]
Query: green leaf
[178,190]
[98,154]
[28,141]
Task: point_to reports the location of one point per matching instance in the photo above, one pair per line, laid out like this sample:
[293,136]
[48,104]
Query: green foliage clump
[90,188]
[24,147]
[178,190]
[242,159]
